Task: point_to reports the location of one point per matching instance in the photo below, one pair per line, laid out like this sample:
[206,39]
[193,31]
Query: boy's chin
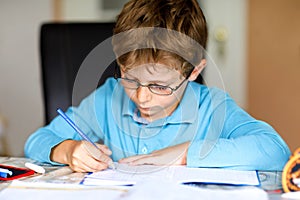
[150,117]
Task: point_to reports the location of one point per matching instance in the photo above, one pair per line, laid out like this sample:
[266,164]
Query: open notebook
[130,175]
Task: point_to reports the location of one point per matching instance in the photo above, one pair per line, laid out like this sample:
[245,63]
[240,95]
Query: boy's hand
[174,155]
[75,154]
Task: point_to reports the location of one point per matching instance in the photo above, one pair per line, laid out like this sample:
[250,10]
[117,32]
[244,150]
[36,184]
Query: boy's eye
[161,90]
[159,87]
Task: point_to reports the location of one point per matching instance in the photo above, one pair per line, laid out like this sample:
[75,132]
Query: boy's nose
[143,94]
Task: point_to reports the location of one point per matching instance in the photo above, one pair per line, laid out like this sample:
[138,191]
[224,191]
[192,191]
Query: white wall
[91,10]
[78,10]
[231,15]
[20,88]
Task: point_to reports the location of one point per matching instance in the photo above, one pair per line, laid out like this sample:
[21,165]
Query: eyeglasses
[154,88]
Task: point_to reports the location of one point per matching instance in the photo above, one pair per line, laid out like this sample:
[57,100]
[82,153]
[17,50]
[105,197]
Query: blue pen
[80,132]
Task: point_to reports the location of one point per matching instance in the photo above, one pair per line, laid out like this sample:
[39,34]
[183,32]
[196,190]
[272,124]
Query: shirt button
[144,150]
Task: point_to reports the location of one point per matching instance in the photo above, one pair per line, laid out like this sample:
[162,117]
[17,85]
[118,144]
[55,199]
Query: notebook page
[130,175]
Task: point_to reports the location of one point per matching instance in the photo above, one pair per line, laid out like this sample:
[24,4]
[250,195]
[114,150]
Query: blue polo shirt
[221,133]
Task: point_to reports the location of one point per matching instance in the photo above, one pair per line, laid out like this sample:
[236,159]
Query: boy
[154,113]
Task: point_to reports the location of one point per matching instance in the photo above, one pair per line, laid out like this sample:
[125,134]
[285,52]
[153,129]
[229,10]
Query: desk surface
[270,181]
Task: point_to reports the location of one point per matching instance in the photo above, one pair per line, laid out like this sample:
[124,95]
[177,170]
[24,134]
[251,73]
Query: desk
[270,181]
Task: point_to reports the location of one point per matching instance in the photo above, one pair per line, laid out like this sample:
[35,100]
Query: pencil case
[16,172]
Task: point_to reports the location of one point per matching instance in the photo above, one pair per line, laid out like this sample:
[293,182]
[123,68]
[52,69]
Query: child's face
[153,106]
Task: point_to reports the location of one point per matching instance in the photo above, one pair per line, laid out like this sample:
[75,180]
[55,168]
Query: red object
[17,172]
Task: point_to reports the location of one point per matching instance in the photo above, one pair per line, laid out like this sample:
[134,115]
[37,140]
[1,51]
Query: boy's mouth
[144,109]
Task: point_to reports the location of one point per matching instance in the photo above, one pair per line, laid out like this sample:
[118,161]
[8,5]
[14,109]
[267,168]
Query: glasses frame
[138,85]
[117,76]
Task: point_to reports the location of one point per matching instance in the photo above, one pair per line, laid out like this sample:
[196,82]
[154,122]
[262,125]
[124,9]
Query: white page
[49,191]
[215,175]
[165,190]
[125,175]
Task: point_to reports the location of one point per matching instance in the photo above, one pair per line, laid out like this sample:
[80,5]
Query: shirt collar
[136,117]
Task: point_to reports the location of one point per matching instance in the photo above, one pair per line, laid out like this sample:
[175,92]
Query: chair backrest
[63,48]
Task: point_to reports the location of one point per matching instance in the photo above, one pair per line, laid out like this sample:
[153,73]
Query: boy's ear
[197,70]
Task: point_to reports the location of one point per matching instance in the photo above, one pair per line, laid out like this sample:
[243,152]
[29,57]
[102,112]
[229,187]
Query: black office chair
[65,48]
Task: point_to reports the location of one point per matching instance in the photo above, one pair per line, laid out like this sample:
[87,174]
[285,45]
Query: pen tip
[112,166]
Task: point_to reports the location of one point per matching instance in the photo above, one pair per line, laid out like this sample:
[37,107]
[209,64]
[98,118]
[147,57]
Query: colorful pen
[81,133]
[5,172]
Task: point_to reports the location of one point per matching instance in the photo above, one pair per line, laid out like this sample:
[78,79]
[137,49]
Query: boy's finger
[98,154]
[104,149]
[93,165]
[104,158]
